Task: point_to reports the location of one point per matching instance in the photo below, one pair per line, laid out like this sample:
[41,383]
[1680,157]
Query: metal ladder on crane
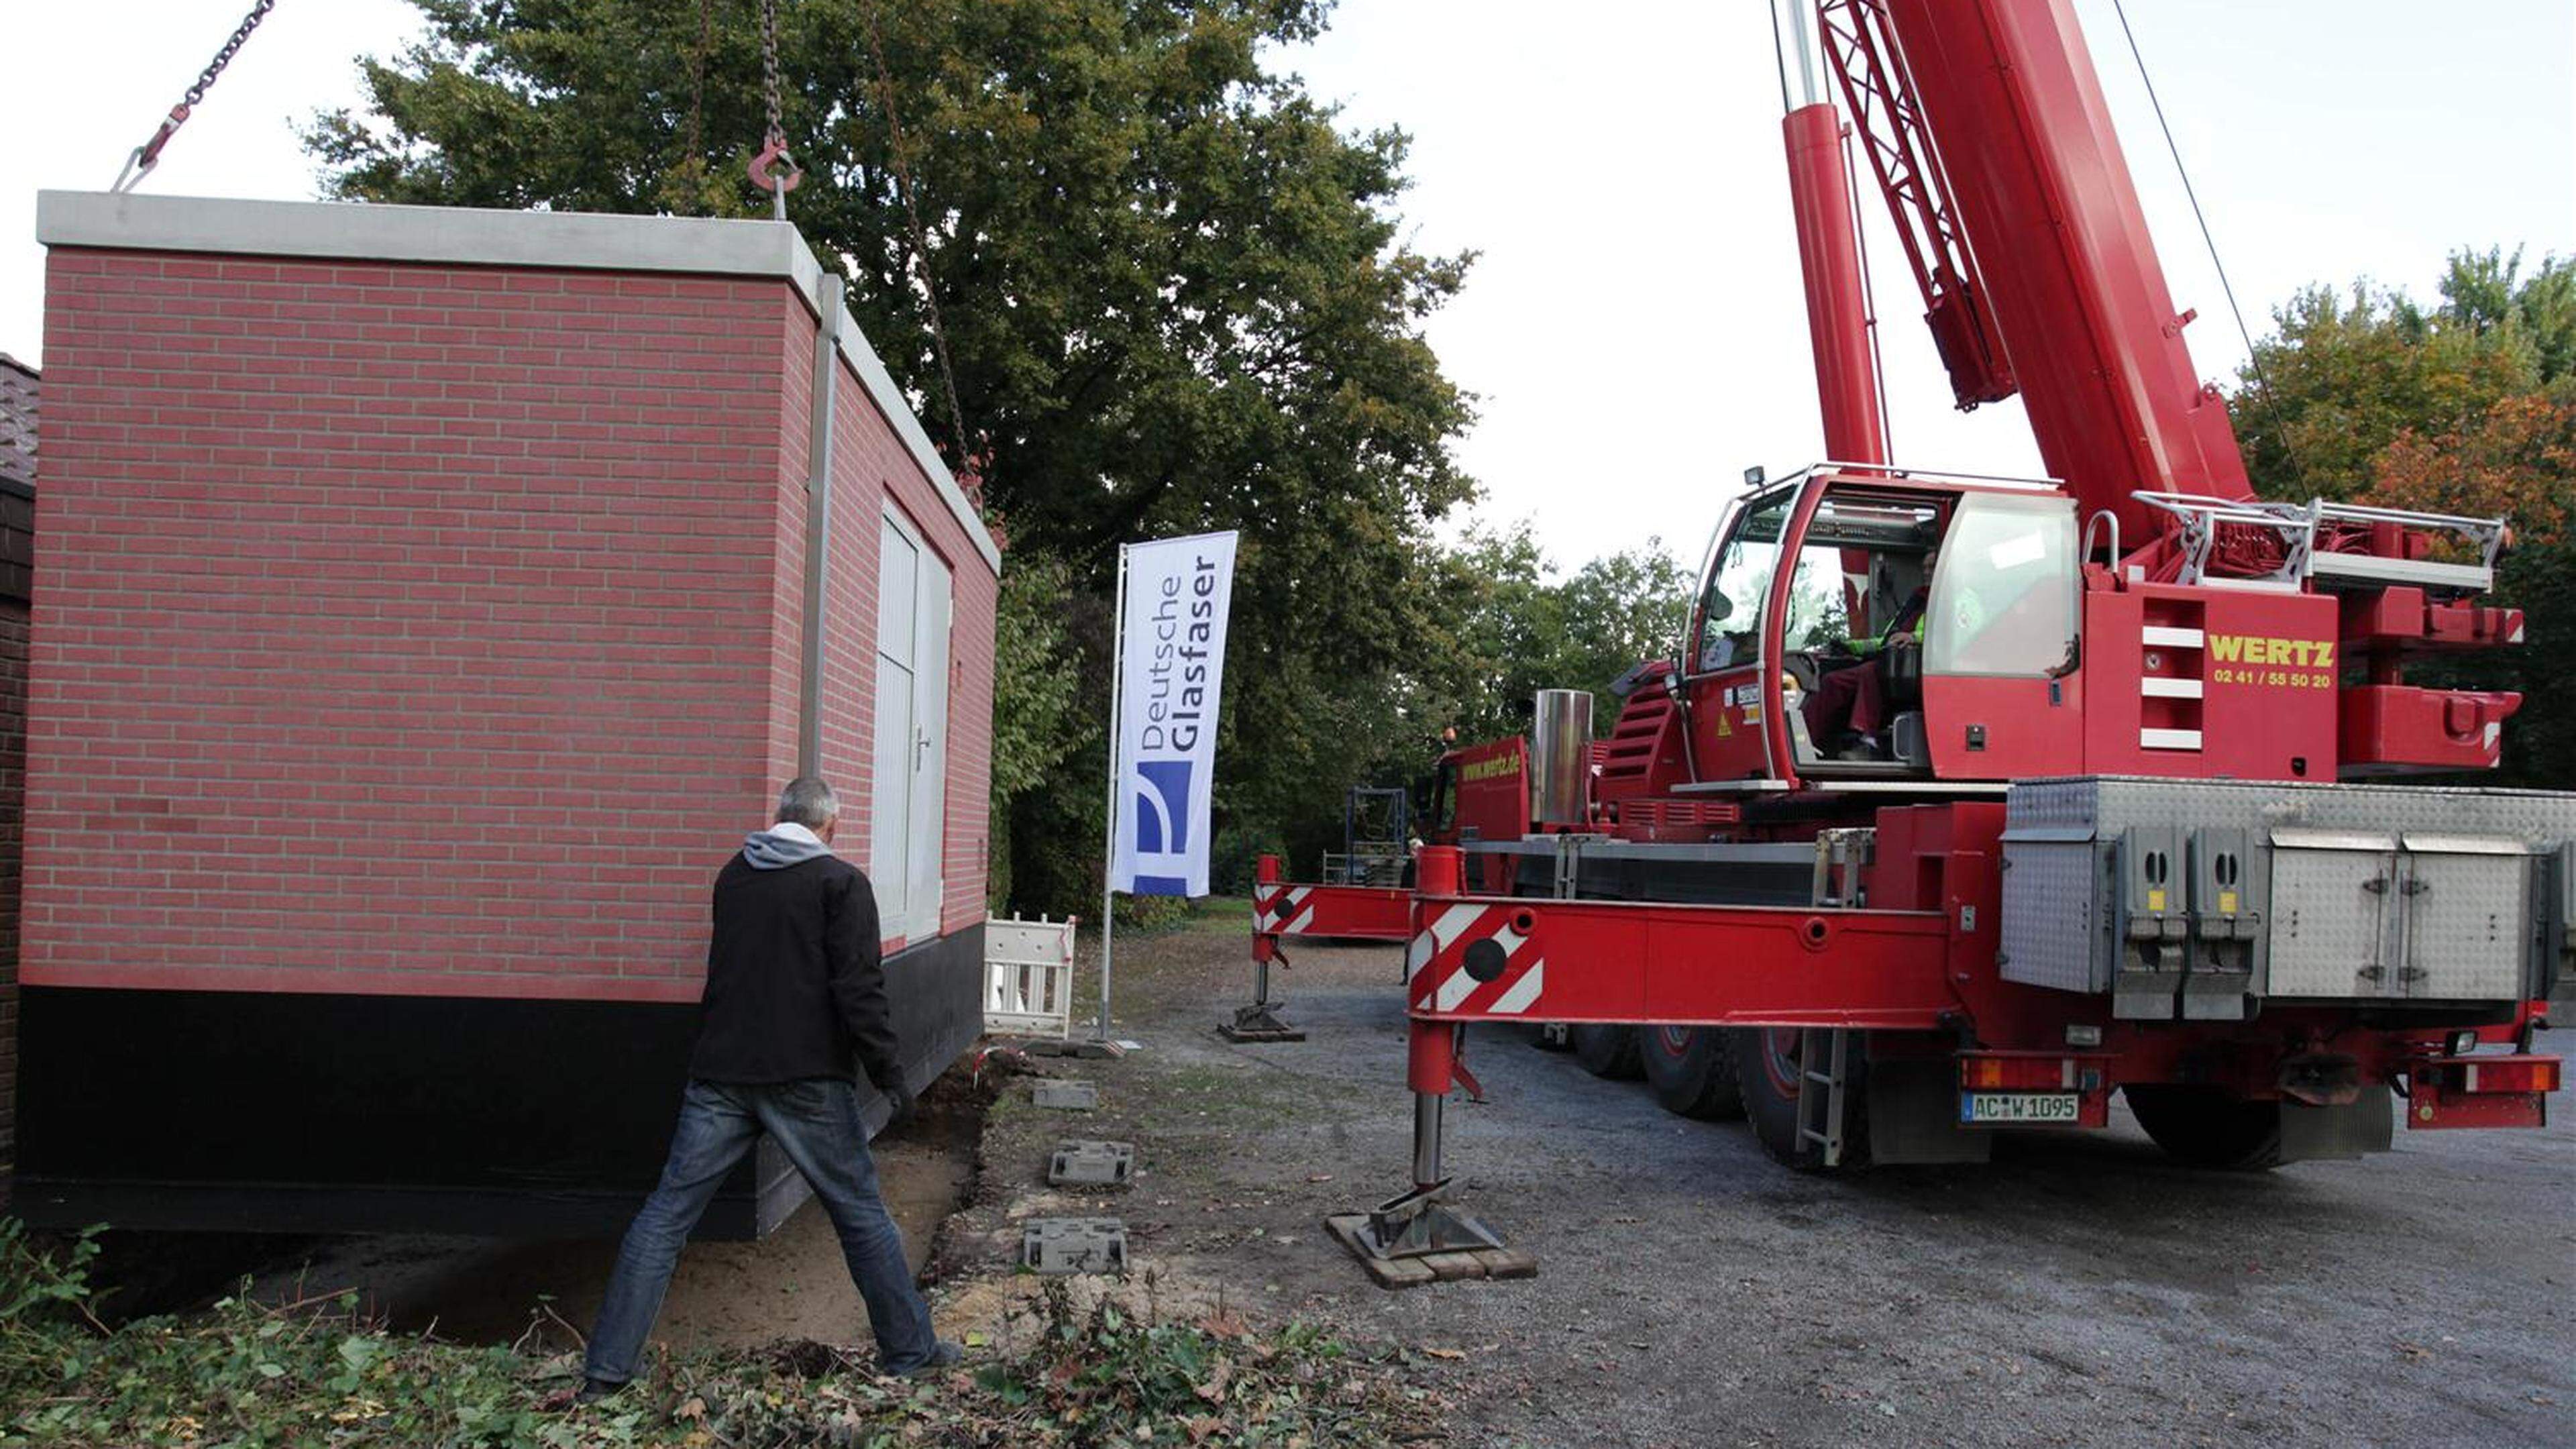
[1824,1052]
[1822,1093]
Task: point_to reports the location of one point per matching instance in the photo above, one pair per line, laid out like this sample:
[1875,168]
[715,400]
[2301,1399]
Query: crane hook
[777,173]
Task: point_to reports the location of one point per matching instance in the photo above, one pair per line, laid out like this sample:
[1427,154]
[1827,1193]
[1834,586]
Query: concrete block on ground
[1074,1245]
[1065,1094]
[1091,1164]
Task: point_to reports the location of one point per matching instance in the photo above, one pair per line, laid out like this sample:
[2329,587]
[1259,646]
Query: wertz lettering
[2263,649]
[1492,767]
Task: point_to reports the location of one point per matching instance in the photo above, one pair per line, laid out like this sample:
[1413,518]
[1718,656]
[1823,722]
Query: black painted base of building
[319,1113]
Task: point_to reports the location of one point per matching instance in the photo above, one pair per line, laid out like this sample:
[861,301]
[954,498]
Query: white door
[890,789]
[908,800]
[928,798]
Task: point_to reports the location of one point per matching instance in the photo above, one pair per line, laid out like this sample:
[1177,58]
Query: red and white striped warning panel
[1449,970]
[1281,910]
[1376,913]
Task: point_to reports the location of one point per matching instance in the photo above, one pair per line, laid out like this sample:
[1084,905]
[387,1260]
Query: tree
[1511,630]
[2340,379]
[1172,288]
[2468,407]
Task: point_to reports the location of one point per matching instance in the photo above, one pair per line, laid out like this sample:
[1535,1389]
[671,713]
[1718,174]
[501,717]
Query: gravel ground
[2079,1290]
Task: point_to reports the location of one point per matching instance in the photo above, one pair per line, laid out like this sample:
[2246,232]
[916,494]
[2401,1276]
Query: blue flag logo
[1163,807]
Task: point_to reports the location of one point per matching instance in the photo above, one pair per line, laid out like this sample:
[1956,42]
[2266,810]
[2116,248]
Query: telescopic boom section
[1838,317]
[2007,94]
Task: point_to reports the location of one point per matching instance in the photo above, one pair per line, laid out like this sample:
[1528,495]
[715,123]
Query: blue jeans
[817,1124]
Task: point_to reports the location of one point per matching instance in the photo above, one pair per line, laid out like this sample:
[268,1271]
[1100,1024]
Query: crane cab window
[2005,598]
[1730,606]
[1861,572]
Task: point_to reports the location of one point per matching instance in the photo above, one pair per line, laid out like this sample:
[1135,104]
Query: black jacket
[795,985]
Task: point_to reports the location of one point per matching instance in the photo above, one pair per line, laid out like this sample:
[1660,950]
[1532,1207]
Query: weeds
[247,1376]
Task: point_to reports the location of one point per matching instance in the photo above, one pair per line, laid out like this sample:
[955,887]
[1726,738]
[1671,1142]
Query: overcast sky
[1634,325]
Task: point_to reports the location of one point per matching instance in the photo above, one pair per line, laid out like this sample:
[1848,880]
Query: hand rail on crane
[2298,526]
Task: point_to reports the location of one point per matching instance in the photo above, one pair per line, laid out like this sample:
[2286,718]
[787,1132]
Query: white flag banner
[1171,631]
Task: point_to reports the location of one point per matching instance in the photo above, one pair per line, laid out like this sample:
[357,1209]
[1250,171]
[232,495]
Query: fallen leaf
[695,1408]
[1446,1352]
[1214,1389]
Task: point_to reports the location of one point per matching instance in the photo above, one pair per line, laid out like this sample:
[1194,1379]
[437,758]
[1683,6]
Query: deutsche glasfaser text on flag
[1172,653]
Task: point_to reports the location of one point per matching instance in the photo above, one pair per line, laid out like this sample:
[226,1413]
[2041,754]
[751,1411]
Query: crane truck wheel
[1767,1066]
[2208,1126]
[1687,1068]
[1609,1051]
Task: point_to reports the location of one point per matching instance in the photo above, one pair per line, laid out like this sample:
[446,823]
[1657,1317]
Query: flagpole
[1109,864]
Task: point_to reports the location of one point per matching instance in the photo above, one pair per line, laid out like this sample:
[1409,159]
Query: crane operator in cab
[1847,710]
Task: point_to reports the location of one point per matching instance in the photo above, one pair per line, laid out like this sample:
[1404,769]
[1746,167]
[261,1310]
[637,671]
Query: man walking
[795,993]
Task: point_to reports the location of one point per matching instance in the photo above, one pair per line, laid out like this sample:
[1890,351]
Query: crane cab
[1866,629]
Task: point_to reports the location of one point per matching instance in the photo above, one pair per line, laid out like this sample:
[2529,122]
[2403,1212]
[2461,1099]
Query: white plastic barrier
[1028,976]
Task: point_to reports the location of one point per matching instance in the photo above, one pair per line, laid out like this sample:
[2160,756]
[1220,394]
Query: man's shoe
[945,1354]
[594,1390]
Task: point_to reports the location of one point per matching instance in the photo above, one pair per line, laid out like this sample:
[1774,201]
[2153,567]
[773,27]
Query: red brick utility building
[431,599]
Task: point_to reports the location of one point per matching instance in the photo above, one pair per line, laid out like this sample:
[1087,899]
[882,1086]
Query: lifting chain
[773,170]
[148,155]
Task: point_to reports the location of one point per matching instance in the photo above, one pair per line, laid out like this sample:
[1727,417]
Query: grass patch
[250,1375]
[1218,915]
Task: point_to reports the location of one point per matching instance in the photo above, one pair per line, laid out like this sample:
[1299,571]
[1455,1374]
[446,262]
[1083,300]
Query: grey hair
[809,802]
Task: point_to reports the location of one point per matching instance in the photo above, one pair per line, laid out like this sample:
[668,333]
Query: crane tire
[1688,1070]
[1609,1051]
[1766,1065]
[2208,1126]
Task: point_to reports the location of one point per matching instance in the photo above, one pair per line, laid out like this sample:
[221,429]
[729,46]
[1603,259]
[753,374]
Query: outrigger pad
[1417,1238]
[1258,1022]
[1351,1230]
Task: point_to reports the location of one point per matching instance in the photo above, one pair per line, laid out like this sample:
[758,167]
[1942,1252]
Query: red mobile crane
[2118,815]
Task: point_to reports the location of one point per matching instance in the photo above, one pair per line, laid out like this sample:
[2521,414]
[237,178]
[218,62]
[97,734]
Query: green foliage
[249,1376]
[1044,725]
[1506,629]
[2466,407]
[2346,378]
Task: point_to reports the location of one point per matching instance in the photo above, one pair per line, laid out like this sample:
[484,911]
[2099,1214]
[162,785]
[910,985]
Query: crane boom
[2006,94]
[1869,71]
